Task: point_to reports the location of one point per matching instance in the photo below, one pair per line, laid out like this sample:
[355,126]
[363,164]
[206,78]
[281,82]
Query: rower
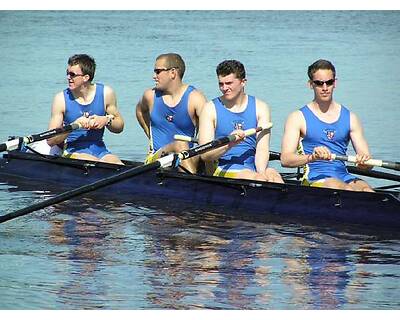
[171,107]
[321,128]
[93,106]
[232,113]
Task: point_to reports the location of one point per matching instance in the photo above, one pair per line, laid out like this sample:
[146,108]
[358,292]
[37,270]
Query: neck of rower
[323,106]
[173,94]
[238,104]
[85,94]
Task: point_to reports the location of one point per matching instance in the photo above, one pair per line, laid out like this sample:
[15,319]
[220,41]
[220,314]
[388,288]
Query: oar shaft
[217,143]
[15,143]
[51,133]
[371,162]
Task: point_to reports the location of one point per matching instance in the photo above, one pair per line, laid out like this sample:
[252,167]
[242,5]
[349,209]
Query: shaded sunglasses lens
[158,71]
[320,83]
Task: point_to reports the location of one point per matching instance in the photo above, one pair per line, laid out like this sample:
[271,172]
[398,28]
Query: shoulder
[147,99]
[295,117]
[59,100]
[197,96]
[209,108]
[261,105]
[354,119]
[59,95]
[149,93]
[108,91]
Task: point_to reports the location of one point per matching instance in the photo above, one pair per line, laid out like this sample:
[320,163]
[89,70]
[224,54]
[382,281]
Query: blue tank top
[167,121]
[335,136]
[227,121]
[74,110]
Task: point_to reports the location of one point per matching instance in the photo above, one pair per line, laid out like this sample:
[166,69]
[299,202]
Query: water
[98,254]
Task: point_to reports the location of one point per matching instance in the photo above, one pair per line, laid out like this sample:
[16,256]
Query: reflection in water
[235,265]
[84,233]
[110,255]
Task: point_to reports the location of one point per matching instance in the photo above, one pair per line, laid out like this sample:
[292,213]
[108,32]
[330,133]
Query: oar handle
[181,137]
[370,162]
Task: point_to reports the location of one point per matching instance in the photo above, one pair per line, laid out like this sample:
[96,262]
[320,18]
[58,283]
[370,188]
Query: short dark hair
[321,64]
[227,67]
[174,60]
[85,62]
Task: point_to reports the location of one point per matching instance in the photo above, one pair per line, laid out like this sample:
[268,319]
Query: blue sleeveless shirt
[167,121]
[73,110]
[335,136]
[241,155]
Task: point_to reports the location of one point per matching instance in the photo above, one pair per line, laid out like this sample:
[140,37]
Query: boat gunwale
[168,173]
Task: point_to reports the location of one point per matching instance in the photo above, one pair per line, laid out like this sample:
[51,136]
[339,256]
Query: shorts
[231,170]
[319,180]
[97,150]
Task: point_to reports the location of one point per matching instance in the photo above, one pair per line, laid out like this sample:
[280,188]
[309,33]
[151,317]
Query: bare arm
[263,138]
[143,111]
[197,100]
[358,140]
[57,118]
[294,126]
[117,123]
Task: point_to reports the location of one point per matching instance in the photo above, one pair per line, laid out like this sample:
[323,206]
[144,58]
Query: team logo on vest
[238,125]
[169,117]
[330,133]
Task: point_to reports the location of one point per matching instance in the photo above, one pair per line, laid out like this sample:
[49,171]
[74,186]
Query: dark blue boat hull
[261,201]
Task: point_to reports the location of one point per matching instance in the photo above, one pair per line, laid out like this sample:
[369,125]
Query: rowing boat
[240,198]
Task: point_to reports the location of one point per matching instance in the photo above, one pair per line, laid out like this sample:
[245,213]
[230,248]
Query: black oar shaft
[373,174]
[15,143]
[51,133]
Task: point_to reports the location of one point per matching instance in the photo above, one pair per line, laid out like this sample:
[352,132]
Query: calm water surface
[95,253]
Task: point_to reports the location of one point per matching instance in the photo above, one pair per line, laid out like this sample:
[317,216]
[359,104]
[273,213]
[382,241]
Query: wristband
[110,118]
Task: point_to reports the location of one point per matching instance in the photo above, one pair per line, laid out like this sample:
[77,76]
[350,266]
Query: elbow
[285,161]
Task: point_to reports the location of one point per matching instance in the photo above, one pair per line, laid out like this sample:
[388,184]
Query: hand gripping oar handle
[162,162]
[181,137]
[15,143]
[371,162]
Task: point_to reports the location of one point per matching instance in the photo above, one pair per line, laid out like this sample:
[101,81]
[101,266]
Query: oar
[16,143]
[273,155]
[374,173]
[169,160]
[372,162]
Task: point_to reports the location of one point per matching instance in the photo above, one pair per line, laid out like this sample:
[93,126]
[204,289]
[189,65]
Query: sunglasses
[158,71]
[73,74]
[320,83]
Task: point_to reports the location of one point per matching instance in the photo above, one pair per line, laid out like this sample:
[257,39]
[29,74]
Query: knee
[273,176]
